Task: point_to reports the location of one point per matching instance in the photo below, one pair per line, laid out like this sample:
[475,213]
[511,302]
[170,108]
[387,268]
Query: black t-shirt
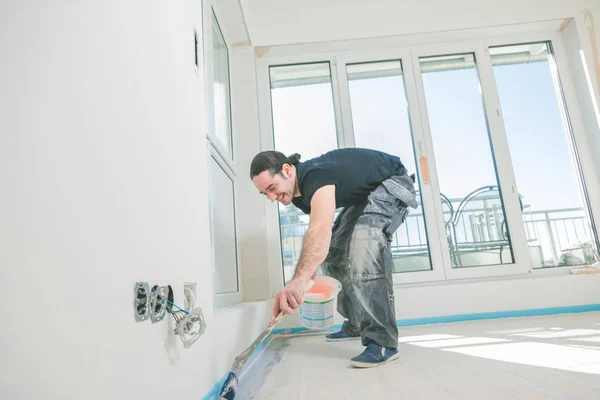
[354,172]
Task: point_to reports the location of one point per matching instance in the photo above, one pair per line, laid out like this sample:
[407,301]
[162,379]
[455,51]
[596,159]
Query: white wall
[103,173]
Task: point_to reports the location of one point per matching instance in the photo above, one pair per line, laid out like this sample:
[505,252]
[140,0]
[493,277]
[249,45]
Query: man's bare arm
[314,251]
[317,239]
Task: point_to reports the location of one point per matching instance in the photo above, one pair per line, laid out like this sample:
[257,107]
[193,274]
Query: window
[304,123]
[222,176]
[485,127]
[381,122]
[221,91]
[554,210]
[224,241]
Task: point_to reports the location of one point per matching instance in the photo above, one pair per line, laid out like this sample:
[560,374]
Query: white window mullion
[427,167]
[425,162]
[346,128]
[208,69]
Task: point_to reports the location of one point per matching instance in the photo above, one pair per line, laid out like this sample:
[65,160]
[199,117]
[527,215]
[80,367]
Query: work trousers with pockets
[360,258]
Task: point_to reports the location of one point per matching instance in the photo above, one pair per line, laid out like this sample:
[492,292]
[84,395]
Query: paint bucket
[320,303]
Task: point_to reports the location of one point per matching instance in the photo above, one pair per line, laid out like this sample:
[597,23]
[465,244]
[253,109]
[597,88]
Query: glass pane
[223,230]
[381,121]
[221,89]
[557,226]
[304,123]
[476,228]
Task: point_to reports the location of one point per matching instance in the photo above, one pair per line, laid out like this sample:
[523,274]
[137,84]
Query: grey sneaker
[339,336]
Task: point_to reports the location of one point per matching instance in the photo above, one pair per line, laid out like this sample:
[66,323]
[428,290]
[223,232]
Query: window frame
[407,52]
[212,21]
[273,231]
[226,298]
[500,154]
[573,124]
[215,149]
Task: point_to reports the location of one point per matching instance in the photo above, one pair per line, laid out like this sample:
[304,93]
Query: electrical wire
[179,308]
[179,314]
[175,317]
[170,309]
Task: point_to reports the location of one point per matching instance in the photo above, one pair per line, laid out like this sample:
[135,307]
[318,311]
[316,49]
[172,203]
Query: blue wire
[171,308]
[180,309]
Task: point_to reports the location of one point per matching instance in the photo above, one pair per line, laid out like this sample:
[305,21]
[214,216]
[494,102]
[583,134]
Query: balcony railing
[475,226]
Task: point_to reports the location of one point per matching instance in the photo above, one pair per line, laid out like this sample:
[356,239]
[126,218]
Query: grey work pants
[360,258]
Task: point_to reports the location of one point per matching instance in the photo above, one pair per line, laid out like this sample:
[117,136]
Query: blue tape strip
[536,312]
[216,389]
[292,331]
[499,314]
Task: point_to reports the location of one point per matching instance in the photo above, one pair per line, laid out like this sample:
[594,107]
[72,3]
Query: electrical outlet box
[141,301]
[158,303]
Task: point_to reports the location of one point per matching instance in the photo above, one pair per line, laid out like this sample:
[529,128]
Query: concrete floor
[556,357]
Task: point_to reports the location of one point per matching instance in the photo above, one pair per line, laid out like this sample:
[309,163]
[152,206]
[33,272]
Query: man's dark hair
[271,161]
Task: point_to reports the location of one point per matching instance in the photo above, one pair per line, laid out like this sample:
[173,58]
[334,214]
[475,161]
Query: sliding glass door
[484,127]
[473,180]
[430,109]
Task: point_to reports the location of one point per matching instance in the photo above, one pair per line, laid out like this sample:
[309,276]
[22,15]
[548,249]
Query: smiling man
[375,192]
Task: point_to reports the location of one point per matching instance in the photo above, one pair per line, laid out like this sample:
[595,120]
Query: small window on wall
[221,90]
[224,241]
[222,174]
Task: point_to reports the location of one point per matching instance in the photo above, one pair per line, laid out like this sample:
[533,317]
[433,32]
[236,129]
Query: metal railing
[472,225]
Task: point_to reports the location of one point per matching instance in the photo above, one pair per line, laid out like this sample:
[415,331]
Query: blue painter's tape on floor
[536,312]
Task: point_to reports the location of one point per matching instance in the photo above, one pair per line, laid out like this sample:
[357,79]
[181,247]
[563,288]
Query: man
[375,193]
